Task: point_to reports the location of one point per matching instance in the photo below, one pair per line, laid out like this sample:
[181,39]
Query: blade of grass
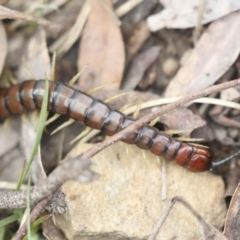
[34,233]
[21,176]
[41,220]
[37,225]
[40,129]
[2,233]
[10,219]
[28,209]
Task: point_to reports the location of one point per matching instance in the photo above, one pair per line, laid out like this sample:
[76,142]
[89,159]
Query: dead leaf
[136,17]
[182,119]
[127,7]
[183,14]
[231,177]
[36,62]
[15,50]
[34,7]
[6,13]
[229,94]
[136,41]
[50,231]
[65,17]
[5,144]
[65,42]
[215,52]
[4,46]
[11,165]
[101,48]
[140,64]
[149,77]
[54,5]
[204,132]
[232,224]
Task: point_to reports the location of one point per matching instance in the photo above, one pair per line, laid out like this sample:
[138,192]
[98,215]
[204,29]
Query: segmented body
[65,100]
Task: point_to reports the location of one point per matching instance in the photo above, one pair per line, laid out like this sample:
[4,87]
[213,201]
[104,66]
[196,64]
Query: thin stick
[161,221]
[34,215]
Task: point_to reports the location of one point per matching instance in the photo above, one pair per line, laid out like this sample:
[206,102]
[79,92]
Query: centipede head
[200,161]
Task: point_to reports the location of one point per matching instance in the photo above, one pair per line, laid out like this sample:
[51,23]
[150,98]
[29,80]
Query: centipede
[65,100]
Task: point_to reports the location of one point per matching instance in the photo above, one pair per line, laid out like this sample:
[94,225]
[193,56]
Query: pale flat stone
[125,202]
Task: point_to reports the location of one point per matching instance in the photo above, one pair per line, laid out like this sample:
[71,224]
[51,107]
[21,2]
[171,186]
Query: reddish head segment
[65,100]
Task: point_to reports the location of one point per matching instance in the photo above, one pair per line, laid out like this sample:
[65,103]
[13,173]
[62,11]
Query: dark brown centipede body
[65,100]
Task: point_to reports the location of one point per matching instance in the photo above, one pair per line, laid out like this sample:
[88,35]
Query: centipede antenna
[225,160]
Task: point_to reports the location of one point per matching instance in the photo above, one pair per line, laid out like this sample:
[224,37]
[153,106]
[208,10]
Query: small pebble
[170,66]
